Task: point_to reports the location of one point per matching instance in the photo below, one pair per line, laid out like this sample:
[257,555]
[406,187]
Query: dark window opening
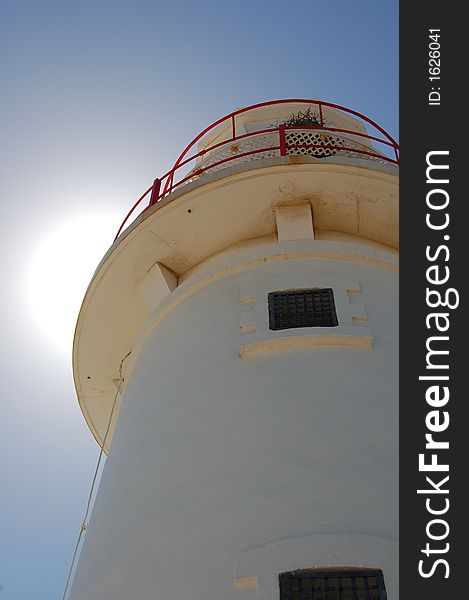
[302,308]
[332,584]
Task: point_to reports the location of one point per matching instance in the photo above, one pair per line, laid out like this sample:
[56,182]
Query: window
[332,584]
[302,308]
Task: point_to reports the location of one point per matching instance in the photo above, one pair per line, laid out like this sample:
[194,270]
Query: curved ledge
[359,339]
[203,223]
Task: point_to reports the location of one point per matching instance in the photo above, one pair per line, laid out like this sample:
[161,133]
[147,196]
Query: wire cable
[84,524]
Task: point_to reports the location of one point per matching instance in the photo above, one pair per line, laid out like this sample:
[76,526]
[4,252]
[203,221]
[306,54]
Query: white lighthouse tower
[246,324]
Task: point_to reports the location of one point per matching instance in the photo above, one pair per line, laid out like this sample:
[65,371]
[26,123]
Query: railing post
[233,127]
[320,114]
[155,192]
[282,142]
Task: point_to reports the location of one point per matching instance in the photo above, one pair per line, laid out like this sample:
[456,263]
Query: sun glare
[60,272]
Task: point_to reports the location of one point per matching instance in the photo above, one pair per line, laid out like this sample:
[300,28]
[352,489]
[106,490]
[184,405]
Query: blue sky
[97,99]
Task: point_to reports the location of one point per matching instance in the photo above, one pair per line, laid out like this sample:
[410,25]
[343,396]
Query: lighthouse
[236,355]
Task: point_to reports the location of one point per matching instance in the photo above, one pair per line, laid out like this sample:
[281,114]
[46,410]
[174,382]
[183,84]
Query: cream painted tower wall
[241,452]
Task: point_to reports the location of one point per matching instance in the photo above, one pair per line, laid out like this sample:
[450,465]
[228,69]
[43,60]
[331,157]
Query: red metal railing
[325,144]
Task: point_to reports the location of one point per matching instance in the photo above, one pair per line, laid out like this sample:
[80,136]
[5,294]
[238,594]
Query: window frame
[328,573]
[315,296]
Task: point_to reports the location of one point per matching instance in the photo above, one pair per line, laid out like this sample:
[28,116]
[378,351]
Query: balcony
[284,129]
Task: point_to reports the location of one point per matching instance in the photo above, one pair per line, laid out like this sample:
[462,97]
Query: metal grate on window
[311,584]
[302,308]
